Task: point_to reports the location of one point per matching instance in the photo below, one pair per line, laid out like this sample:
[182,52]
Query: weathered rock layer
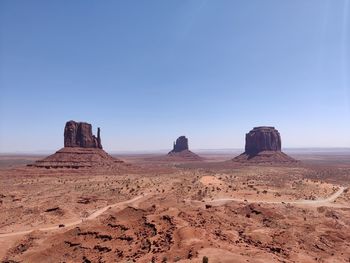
[77,157]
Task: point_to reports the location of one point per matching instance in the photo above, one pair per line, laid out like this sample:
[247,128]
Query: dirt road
[317,202]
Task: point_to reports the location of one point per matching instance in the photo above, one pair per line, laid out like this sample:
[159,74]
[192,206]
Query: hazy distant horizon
[147,72]
[199,151]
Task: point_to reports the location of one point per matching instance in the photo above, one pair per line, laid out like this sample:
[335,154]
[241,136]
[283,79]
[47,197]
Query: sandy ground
[174,212]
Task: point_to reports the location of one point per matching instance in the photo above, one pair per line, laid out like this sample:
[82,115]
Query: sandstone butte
[79,134]
[81,149]
[263,145]
[181,151]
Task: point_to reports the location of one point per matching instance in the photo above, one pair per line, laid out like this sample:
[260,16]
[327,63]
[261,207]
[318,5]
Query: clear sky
[149,71]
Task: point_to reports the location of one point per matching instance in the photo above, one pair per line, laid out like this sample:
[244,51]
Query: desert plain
[154,210]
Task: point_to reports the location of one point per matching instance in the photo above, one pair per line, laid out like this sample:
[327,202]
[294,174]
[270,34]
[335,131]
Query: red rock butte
[180,145]
[79,134]
[81,149]
[263,145]
[181,151]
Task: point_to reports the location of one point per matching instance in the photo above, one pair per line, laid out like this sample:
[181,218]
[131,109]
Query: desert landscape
[83,205]
[195,131]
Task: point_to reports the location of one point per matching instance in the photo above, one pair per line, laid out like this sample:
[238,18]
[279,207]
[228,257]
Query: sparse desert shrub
[205,259]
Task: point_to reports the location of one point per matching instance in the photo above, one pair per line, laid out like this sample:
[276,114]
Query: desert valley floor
[149,210]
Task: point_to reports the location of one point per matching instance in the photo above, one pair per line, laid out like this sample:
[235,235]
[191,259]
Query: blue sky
[147,72]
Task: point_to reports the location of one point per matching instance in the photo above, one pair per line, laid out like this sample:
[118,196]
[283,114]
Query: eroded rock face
[181,144]
[263,146]
[79,134]
[262,139]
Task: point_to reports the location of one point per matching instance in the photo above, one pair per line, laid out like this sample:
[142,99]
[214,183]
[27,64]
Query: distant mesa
[263,145]
[181,151]
[81,149]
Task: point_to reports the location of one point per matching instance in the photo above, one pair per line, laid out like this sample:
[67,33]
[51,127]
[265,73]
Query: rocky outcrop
[262,139]
[79,134]
[181,152]
[81,150]
[180,145]
[263,145]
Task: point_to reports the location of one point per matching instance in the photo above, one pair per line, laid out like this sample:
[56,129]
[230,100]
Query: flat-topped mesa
[263,145]
[180,145]
[262,139]
[79,134]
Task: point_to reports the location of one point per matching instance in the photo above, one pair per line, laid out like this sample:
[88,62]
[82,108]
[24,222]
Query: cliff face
[79,134]
[180,145]
[262,139]
[263,145]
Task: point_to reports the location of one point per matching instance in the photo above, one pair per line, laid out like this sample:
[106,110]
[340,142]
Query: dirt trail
[318,202]
[73,223]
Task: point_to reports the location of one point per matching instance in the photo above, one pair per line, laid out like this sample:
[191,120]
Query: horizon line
[203,150]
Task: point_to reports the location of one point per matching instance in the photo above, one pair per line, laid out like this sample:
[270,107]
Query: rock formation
[262,139]
[180,145]
[263,145]
[79,134]
[81,149]
[181,152]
